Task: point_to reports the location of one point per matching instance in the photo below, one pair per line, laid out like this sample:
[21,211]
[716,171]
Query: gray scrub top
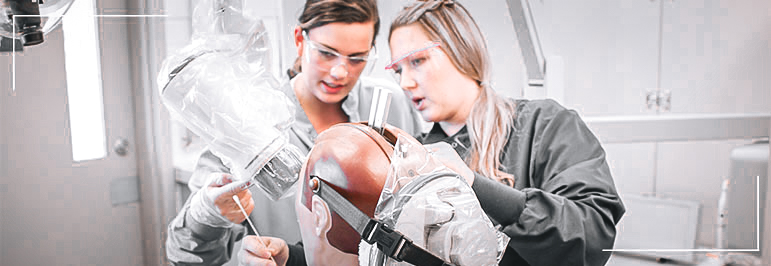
[193,243]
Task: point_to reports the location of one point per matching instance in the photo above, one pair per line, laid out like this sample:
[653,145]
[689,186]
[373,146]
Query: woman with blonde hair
[536,168]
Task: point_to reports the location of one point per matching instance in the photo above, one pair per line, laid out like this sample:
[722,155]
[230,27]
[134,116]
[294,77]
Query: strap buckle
[391,242]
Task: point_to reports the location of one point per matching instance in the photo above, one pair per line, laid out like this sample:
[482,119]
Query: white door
[56,211]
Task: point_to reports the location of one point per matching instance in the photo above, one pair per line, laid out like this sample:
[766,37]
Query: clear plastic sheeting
[221,88]
[216,17]
[436,209]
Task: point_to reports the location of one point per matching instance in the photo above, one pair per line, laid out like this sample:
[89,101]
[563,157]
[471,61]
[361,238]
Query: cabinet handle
[658,99]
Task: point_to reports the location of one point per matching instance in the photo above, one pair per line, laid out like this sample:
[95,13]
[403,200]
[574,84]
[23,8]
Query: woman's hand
[220,191]
[255,253]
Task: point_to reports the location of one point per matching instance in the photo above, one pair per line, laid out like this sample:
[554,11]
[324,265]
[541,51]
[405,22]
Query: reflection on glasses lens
[327,55]
[411,61]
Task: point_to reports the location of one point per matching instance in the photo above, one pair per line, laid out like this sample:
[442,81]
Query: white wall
[178,24]
[291,10]
[3,150]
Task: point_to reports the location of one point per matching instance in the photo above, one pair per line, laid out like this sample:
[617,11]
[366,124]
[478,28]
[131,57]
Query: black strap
[392,243]
[352,215]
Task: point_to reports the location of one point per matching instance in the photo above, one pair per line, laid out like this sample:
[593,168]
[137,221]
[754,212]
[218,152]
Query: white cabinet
[609,49]
[715,56]
[712,56]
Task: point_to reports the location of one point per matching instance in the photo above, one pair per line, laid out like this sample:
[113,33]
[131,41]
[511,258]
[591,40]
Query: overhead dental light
[29,20]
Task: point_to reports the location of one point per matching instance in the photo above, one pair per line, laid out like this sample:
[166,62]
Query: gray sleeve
[207,163]
[569,206]
[192,243]
[502,203]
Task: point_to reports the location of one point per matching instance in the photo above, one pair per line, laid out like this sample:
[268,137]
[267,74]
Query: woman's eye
[417,61]
[357,61]
[396,69]
[327,54]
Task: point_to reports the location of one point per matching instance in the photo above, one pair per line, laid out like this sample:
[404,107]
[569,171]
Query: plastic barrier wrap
[436,209]
[221,88]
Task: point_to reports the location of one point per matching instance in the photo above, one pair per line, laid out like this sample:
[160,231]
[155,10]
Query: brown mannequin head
[354,160]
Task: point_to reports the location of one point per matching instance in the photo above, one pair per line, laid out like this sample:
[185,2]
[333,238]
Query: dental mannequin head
[354,160]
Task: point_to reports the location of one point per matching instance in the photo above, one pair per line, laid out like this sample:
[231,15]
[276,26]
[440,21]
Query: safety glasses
[326,59]
[414,62]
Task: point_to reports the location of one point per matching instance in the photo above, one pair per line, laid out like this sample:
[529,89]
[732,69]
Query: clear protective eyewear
[326,59]
[413,61]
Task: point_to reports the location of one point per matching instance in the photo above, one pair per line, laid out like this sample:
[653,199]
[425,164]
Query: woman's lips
[419,103]
[331,88]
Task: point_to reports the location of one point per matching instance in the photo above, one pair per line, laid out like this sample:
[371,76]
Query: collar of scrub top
[397,60]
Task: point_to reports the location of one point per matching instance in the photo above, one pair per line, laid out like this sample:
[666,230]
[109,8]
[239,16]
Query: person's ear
[321,216]
[298,40]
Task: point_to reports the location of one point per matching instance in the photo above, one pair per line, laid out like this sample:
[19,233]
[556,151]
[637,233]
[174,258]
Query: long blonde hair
[491,117]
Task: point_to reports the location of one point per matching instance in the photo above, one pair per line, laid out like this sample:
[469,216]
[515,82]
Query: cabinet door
[715,56]
[609,49]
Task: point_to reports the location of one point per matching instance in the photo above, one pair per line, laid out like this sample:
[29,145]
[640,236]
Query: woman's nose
[407,82]
[339,71]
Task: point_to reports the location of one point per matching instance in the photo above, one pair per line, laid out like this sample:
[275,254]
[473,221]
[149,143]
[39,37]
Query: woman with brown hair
[335,43]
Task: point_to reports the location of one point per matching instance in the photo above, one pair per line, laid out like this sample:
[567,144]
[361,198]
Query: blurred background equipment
[28,21]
